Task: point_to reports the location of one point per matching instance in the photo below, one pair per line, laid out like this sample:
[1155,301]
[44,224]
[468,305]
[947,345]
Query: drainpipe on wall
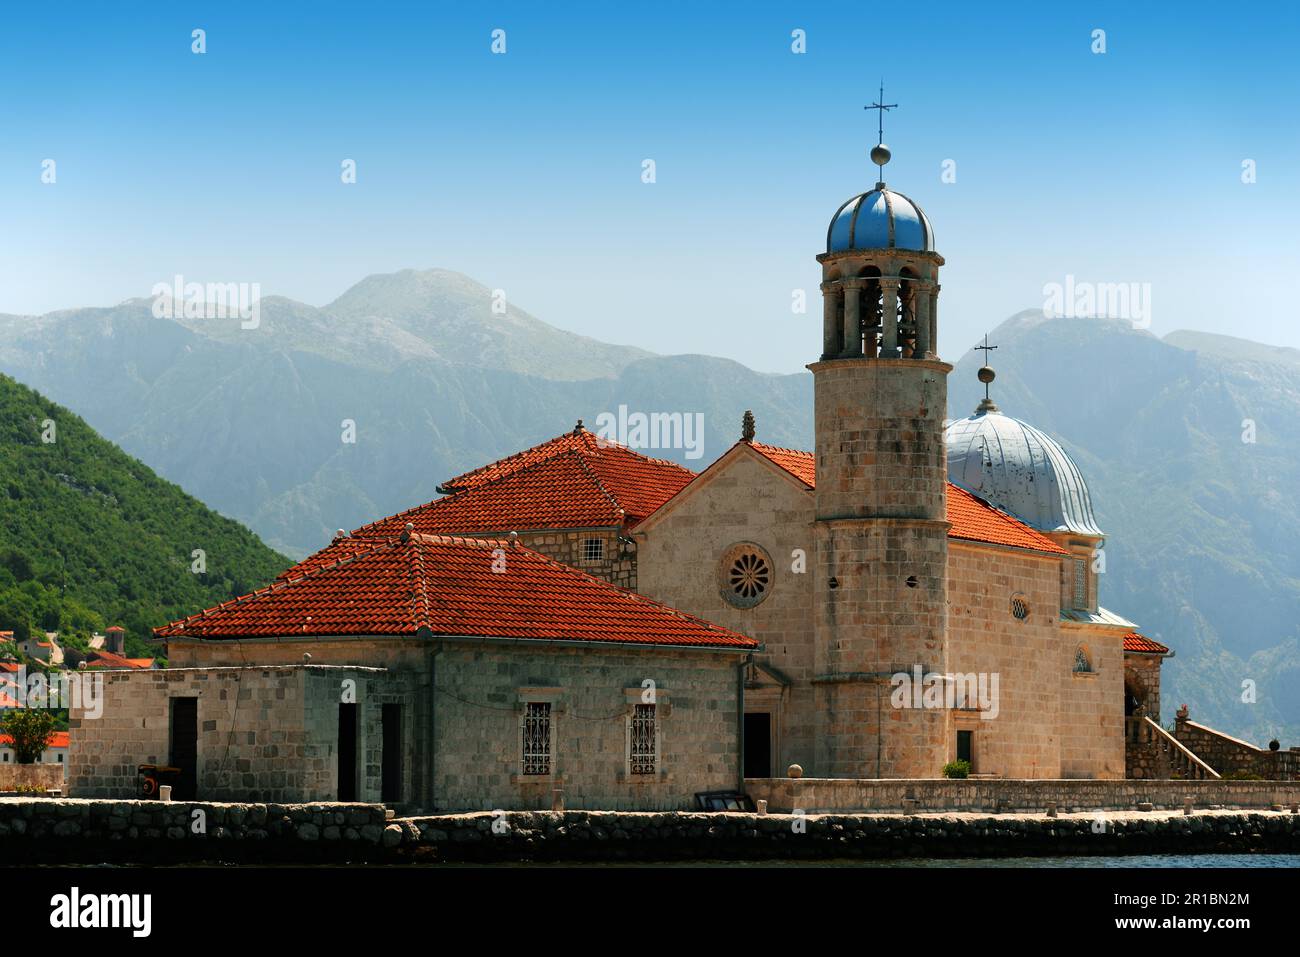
[740,722]
[880,743]
[429,748]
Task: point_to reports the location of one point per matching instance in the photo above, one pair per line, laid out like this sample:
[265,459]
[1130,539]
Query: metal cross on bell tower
[880,154]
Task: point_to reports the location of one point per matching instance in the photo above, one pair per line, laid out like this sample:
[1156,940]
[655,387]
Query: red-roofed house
[56,751]
[100,658]
[436,672]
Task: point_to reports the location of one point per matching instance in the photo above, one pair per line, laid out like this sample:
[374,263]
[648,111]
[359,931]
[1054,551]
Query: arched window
[1082,662]
[869,312]
[907,293]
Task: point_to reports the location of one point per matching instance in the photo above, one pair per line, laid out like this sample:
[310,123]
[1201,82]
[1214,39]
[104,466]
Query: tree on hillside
[31,730]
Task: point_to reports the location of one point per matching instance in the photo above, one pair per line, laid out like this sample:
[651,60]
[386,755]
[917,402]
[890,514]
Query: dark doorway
[185,747]
[966,746]
[347,752]
[758,744]
[391,772]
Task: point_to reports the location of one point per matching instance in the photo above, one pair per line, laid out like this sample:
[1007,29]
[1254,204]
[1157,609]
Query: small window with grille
[643,748]
[1080,583]
[536,757]
[593,550]
[1082,663]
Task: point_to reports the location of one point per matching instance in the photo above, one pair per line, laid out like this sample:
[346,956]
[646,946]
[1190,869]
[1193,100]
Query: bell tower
[881,544]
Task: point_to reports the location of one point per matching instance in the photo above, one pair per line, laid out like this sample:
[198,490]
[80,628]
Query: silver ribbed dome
[1020,470]
[880,219]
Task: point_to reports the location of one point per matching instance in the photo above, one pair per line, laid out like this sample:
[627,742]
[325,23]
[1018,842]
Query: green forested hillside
[90,537]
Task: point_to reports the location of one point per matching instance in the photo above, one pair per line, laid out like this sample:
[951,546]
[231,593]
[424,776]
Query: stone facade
[482,693]
[1027,655]
[460,751]
[1142,683]
[1051,721]
[264,733]
[1091,714]
[747,498]
[881,571]
[613,558]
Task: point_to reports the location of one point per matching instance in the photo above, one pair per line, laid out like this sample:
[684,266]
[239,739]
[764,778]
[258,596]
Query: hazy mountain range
[252,420]
[1201,525]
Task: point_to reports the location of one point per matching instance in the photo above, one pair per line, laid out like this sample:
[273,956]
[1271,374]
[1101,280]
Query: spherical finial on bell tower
[880,154]
[986,375]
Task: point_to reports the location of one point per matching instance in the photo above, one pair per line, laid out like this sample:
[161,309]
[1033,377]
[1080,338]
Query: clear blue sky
[523,170]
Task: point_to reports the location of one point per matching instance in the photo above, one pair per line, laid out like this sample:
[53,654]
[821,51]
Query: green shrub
[31,730]
[957,769]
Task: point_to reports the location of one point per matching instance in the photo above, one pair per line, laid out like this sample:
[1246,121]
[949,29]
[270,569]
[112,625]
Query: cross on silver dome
[880,154]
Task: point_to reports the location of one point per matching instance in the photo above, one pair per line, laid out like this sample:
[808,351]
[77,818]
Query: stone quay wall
[605,836]
[55,831]
[50,831]
[836,795]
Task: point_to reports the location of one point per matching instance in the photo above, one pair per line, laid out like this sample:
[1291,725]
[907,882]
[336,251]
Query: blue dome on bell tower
[880,219]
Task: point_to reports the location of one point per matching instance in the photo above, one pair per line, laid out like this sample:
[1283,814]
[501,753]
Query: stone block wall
[46,777]
[1229,755]
[264,733]
[462,750]
[1142,680]
[618,562]
[880,444]
[820,795]
[881,609]
[1091,715]
[480,696]
[880,584]
[680,554]
[985,638]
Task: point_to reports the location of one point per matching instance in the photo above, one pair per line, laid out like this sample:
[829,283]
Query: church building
[915,596]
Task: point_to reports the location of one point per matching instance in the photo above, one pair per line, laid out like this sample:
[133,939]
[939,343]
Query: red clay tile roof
[1141,643]
[802,465]
[99,658]
[640,484]
[58,739]
[972,518]
[564,491]
[400,586]
[573,481]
